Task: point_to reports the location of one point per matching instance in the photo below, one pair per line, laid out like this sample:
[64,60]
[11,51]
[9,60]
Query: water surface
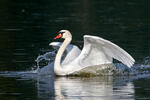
[22,85]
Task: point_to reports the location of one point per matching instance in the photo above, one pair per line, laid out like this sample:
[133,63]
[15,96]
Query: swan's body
[96,51]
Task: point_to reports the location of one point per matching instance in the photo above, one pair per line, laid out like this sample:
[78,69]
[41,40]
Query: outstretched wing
[98,51]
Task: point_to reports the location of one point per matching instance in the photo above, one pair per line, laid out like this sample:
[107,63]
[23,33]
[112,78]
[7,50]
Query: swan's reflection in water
[98,88]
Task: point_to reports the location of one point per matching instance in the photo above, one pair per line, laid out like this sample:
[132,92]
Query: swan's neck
[57,65]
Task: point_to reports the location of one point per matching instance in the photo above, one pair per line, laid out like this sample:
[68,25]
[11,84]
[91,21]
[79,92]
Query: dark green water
[28,26]
[25,86]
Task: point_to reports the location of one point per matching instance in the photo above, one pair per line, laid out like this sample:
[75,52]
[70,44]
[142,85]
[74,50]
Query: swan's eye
[61,32]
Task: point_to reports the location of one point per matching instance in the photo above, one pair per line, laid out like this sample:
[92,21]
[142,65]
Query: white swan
[96,51]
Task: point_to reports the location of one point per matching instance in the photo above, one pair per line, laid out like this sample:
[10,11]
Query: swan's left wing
[98,51]
[72,52]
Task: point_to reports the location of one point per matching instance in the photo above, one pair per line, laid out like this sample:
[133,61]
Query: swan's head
[63,34]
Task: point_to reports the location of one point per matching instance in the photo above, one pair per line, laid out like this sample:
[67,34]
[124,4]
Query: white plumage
[96,51]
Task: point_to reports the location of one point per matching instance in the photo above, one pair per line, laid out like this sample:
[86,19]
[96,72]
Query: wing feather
[72,52]
[109,49]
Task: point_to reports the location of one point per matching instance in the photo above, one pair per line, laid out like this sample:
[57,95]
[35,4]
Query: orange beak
[58,36]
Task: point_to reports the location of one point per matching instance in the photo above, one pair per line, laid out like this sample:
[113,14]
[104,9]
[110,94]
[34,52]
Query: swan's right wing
[98,51]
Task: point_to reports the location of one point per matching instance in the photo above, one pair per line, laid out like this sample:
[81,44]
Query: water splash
[146,60]
[45,59]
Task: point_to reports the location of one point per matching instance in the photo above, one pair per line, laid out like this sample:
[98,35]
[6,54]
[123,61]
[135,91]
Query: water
[22,85]
[27,27]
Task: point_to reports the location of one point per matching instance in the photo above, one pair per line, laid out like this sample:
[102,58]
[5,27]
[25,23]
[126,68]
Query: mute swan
[96,51]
